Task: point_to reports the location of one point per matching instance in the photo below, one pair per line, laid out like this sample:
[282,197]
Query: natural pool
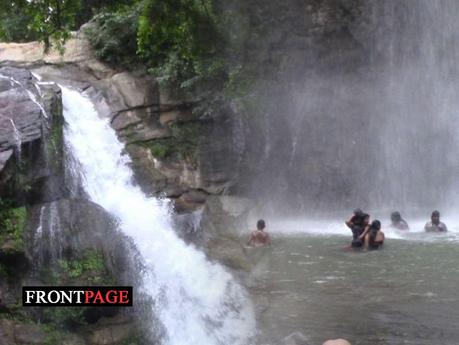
[406,293]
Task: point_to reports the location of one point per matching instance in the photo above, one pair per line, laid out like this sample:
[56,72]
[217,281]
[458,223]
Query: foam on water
[197,301]
[333,226]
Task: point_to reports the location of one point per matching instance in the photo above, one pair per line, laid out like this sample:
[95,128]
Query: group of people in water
[365,234]
[369,236]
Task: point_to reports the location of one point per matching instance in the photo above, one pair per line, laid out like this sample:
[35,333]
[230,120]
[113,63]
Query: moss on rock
[12,223]
[182,144]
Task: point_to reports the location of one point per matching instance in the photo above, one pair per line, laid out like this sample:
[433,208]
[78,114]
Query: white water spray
[17,138]
[32,97]
[197,301]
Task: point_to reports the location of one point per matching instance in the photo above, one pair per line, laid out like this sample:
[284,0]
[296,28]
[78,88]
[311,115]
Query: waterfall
[197,301]
[415,47]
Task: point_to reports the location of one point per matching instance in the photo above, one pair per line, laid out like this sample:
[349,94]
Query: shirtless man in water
[259,237]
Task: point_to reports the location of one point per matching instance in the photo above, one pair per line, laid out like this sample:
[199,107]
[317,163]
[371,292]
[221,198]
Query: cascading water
[197,301]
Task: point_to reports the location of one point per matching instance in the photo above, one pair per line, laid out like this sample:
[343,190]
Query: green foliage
[113,36]
[180,41]
[12,223]
[53,335]
[62,317]
[182,144]
[15,22]
[49,21]
[91,267]
[3,271]
[136,339]
[52,20]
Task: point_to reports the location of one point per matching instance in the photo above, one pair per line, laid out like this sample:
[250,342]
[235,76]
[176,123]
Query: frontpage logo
[76,296]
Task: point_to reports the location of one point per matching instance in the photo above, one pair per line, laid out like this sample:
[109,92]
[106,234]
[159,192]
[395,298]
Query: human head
[435,217]
[358,212]
[395,217]
[376,224]
[261,224]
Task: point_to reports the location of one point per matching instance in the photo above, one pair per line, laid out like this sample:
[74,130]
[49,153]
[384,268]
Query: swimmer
[259,237]
[435,225]
[357,223]
[373,237]
[398,222]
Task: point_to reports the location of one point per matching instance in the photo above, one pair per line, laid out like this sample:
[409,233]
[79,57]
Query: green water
[407,293]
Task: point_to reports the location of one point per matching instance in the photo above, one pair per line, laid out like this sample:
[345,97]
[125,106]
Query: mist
[360,112]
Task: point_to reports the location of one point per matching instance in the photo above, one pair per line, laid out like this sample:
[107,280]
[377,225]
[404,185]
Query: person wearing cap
[398,222]
[435,225]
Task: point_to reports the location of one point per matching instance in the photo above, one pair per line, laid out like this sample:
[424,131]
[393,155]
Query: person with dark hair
[373,237]
[435,225]
[259,237]
[398,222]
[357,223]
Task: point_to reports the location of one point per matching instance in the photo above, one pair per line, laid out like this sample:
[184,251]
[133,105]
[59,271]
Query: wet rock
[228,251]
[73,339]
[30,138]
[29,334]
[20,116]
[123,91]
[69,229]
[112,331]
[226,215]
[162,177]
[4,157]
[190,201]
[151,179]
[175,115]
[6,332]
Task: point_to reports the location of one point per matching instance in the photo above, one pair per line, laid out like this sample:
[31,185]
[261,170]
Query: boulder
[226,215]
[31,131]
[123,91]
[190,201]
[77,51]
[20,115]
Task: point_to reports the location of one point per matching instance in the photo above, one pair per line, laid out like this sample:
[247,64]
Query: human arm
[350,222]
[365,232]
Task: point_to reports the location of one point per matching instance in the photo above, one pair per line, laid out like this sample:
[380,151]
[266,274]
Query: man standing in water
[398,222]
[259,237]
[435,225]
[357,223]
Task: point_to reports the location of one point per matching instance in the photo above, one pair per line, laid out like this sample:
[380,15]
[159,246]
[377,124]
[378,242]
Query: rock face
[70,229]
[31,149]
[46,238]
[173,151]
